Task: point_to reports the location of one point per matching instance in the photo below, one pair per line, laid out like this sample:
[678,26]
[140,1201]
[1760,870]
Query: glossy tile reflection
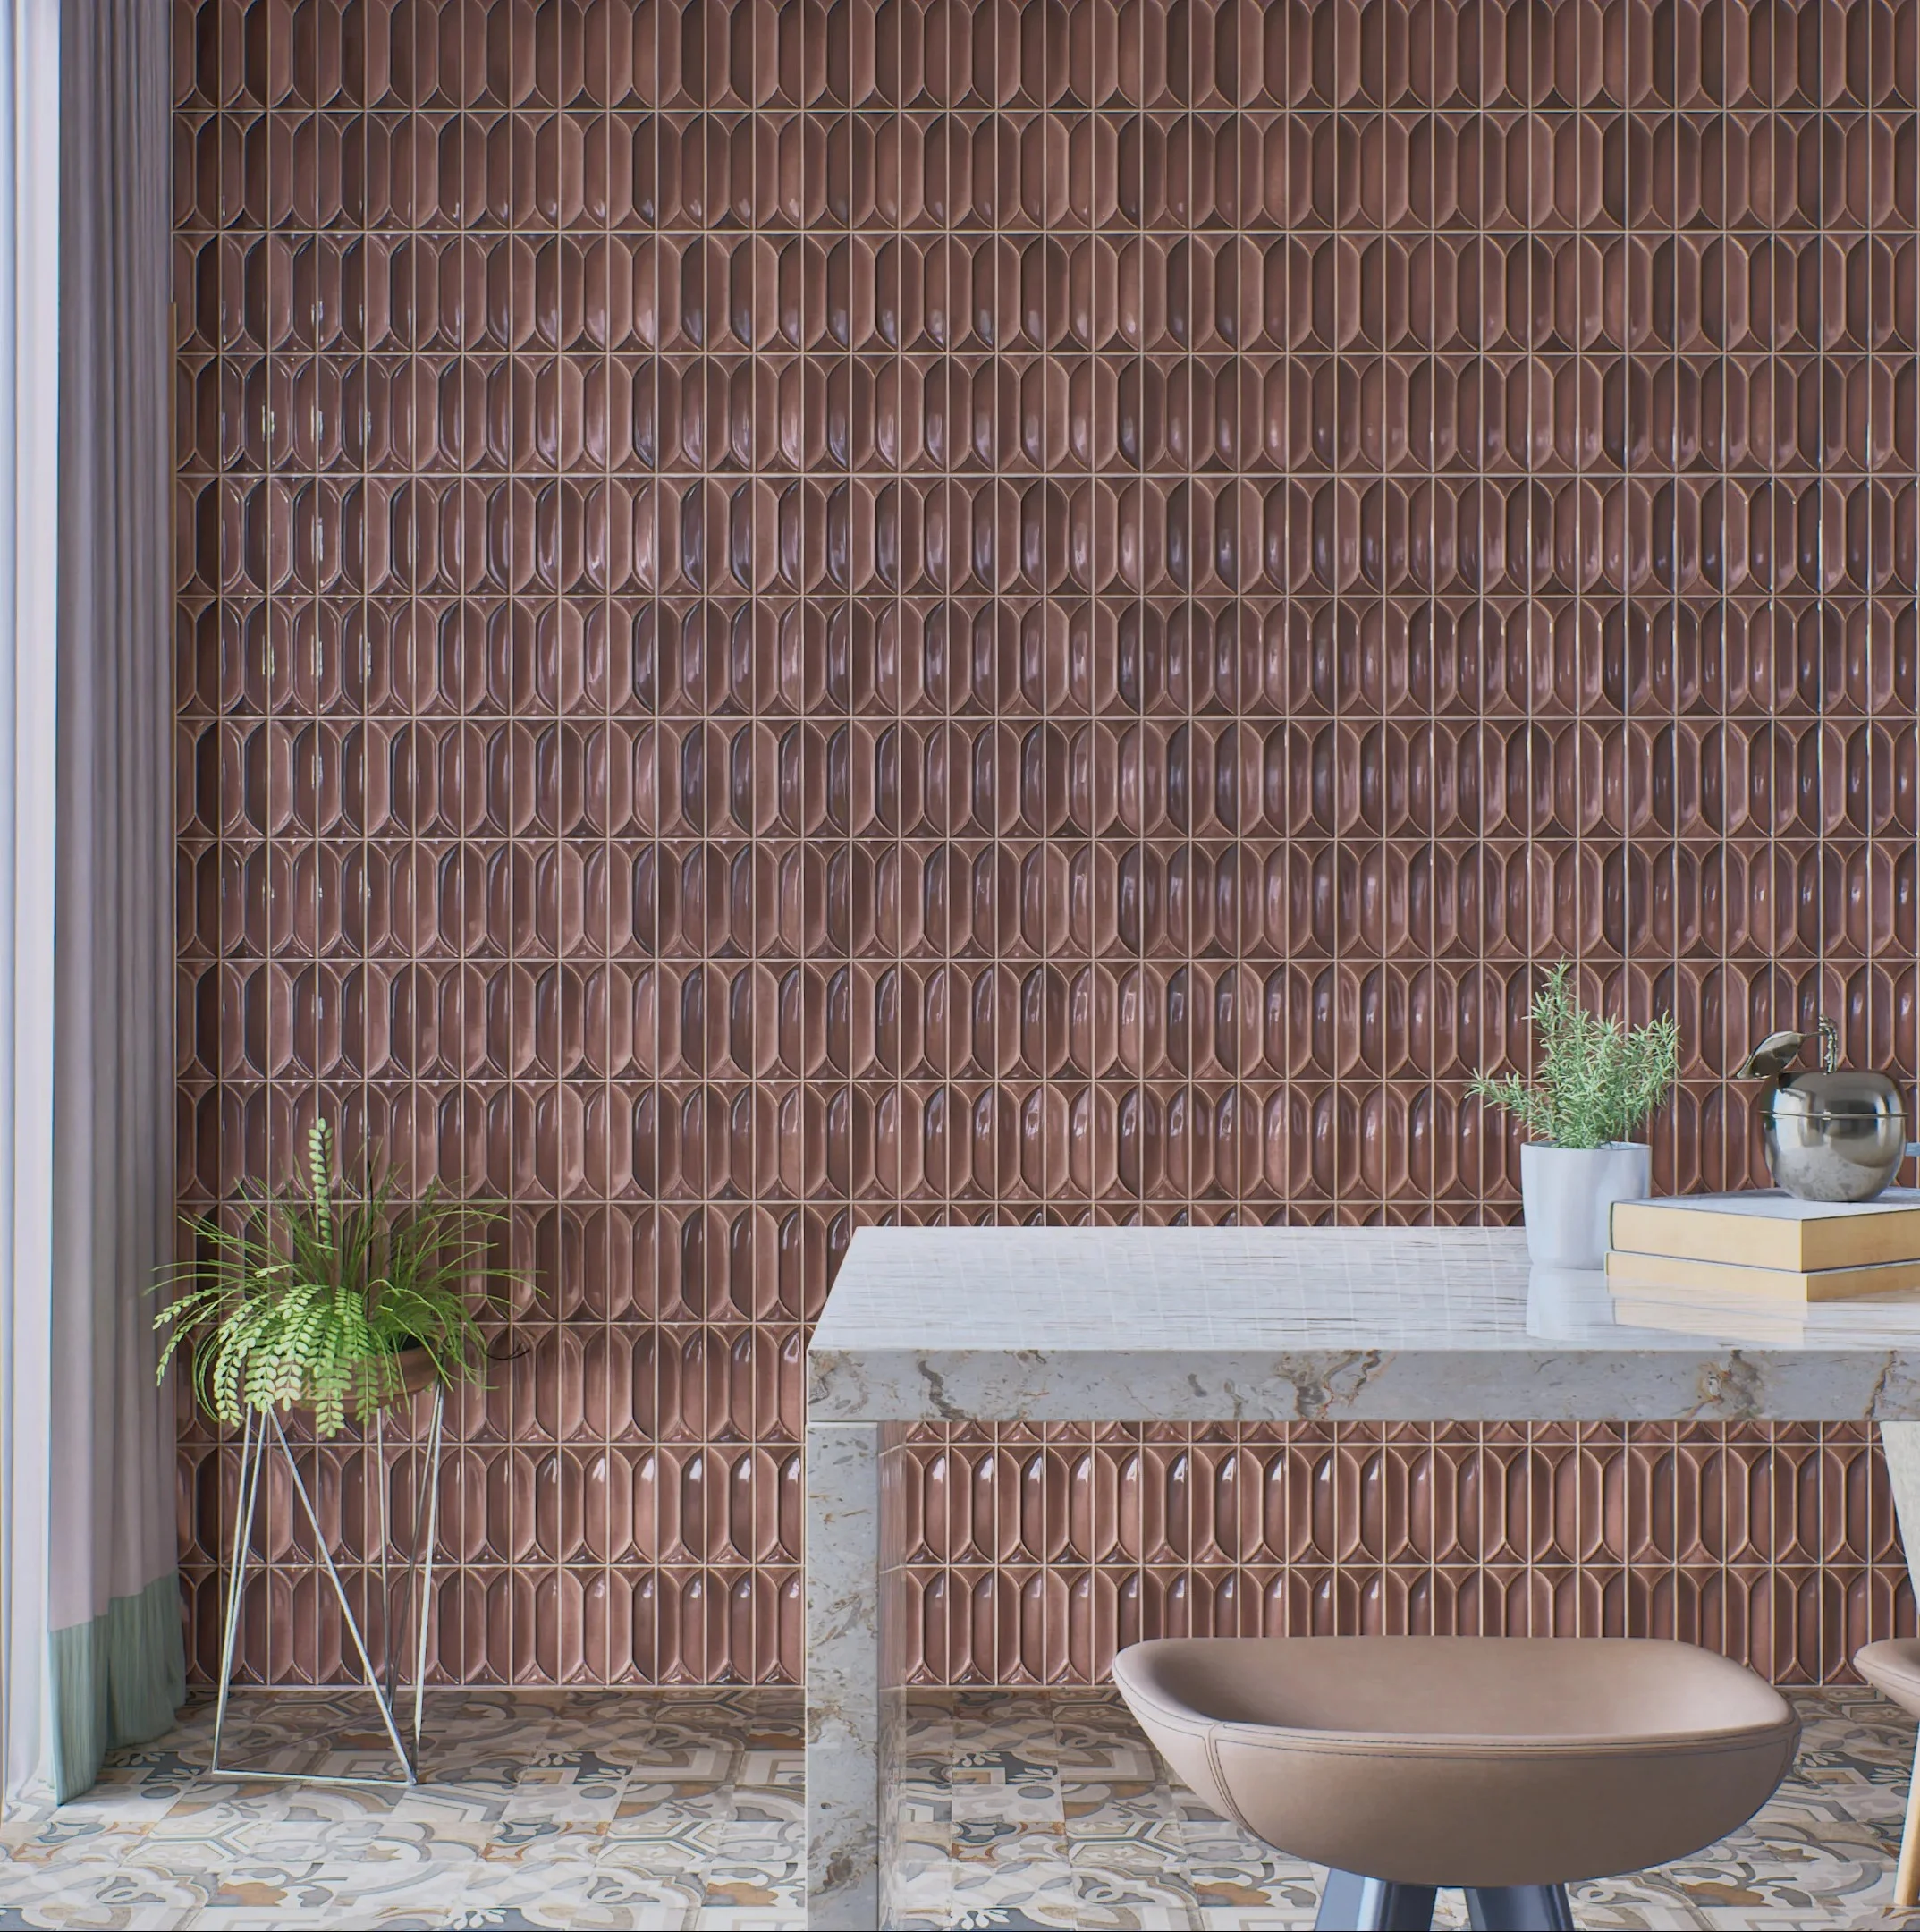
[798,616]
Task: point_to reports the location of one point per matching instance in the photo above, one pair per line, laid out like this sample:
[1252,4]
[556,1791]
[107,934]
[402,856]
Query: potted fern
[342,1302]
[1594,1082]
[337,1302]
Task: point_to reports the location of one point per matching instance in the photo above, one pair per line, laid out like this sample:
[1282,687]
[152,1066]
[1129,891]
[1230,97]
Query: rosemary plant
[1594,1081]
[317,1292]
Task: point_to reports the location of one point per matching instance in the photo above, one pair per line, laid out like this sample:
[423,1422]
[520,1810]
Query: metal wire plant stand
[262,1432]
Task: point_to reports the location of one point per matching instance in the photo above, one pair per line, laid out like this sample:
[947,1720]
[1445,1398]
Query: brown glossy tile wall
[793,615]
[1031,1555]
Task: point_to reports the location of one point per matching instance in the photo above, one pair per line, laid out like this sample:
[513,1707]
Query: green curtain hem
[118,1679]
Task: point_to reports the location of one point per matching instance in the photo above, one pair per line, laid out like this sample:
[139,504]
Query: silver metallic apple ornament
[1831,1134]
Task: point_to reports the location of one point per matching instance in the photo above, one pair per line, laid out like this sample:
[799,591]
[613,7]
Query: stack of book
[1759,1251]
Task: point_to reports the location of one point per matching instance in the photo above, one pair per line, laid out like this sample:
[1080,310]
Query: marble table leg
[1900,1444]
[844,1688]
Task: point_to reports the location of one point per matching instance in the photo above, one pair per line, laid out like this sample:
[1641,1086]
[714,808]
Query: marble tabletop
[1285,1324]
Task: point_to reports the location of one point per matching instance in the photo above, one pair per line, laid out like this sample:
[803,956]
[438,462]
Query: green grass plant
[1593,1079]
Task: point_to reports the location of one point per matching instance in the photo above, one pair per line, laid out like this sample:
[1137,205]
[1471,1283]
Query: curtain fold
[91,1107]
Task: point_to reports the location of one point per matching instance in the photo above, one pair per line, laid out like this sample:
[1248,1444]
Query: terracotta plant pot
[416,1373]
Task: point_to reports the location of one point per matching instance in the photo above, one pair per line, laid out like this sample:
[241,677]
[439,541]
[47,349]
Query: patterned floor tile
[682,1811]
[146,1917]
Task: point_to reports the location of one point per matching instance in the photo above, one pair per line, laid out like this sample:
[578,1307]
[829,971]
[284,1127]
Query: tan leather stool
[1507,1766]
[1893,1669]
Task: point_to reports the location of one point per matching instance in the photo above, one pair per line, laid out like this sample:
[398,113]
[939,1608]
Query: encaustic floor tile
[634,1810]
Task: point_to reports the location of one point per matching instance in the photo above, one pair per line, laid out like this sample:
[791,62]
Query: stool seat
[1484,1762]
[1893,1669]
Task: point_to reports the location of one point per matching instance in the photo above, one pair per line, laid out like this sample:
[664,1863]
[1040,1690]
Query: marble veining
[843,1715]
[1317,1323]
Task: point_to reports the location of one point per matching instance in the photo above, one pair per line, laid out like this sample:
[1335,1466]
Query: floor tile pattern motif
[791,616]
[589,1808]
[597,1809]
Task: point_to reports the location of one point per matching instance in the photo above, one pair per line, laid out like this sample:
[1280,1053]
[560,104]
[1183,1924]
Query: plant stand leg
[426,1542]
[383,1542]
[419,1592]
[252,1454]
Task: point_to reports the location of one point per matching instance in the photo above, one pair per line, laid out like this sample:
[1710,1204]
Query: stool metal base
[1351,1904]
[1521,1908]
[259,1432]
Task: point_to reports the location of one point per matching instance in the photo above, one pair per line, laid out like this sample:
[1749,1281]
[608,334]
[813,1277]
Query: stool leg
[1519,1909]
[1351,1904]
[1906,1879]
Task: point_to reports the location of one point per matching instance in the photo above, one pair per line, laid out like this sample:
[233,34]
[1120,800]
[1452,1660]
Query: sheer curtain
[92,1639]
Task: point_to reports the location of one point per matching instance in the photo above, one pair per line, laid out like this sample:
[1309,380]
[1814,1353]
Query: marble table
[1249,1325]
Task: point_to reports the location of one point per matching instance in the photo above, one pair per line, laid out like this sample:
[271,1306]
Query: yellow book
[1767,1229]
[1648,1274]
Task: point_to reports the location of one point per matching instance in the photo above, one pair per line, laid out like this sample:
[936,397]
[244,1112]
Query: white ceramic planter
[1567,1194]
